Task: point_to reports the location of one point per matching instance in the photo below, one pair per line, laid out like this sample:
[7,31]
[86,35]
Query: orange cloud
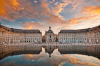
[7,7]
[34,25]
[45,5]
[30,27]
[75,21]
[35,11]
[49,15]
[91,9]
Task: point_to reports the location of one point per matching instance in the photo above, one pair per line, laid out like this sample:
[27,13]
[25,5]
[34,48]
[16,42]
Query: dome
[49,31]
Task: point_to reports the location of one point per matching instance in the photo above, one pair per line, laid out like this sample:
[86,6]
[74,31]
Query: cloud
[57,23]
[91,10]
[87,24]
[40,11]
[90,18]
[46,12]
[34,25]
[75,21]
[58,8]
[30,25]
[76,3]
[61,4]
[35,1]
[7,7]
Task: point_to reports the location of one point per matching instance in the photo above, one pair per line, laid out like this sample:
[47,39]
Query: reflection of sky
[86,58]
[55,60]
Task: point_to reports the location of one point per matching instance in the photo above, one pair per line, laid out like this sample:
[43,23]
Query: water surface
[35,55]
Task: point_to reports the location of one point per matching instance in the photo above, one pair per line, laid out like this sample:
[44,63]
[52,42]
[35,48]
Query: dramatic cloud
[91,9]
[8,7]
[59,14]
[33,25]
[30,25]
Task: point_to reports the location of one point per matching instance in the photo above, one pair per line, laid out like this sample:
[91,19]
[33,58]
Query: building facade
[72,36]
[50,37]
[93,35]
[90,35]
[11,35]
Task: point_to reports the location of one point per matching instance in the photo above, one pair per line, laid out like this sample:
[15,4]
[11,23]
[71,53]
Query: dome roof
[49,31]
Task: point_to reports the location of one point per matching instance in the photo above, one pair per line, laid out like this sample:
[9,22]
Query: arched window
[50,36]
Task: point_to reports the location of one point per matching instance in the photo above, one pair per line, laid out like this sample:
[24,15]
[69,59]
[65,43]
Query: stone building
[11,35]
[93,35]
[90,35]
[43,38]
[72,36]
[50,36]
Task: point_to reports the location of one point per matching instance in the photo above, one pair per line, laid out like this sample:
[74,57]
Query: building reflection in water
[91,50]
[36,55]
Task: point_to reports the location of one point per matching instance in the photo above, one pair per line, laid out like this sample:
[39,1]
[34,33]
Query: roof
[81,30]
[73,31]
[20,30]
[49,31]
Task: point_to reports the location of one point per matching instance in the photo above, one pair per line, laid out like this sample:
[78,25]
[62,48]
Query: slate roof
[49,31]
[73,31]
[81,30]
[19,30]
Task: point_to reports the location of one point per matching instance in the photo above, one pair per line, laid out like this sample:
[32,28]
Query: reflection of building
[90,35]
[17,50]
[11,35]
[50,36]
[93,50]
[71,48]
[50,49]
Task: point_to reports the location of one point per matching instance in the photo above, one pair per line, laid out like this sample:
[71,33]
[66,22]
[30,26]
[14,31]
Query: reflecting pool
[61,55]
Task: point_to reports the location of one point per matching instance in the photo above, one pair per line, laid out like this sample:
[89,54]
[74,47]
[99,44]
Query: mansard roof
[73,31]
[81,30]
[20,30]
[49,31]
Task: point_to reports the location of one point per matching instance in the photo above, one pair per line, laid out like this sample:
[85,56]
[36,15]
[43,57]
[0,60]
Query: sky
[59,14]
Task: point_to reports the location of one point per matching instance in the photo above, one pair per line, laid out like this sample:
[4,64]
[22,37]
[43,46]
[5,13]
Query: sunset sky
[59,14]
